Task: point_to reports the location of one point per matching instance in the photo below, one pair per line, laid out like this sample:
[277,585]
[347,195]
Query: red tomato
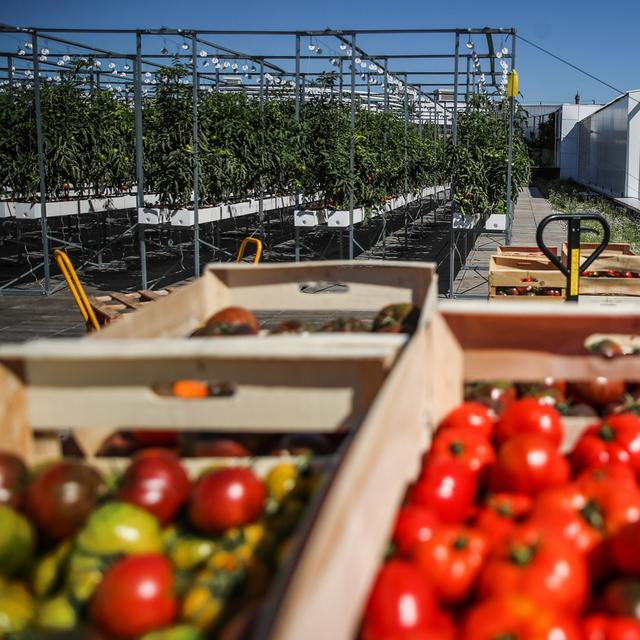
[470,414]
[624,549]
[218,448]
[585,517]
[617,439]
[598,392]
[400,603]
[501,514]
[226,498]
[13,479]
[448,488]
[539,565]
[515,617]
[156,481]
[529,415]
[613,474]
[598,626]
[229,321]
[135,596]
[414,524]
[528,463]
[61,496]
[465,445]
[451,561]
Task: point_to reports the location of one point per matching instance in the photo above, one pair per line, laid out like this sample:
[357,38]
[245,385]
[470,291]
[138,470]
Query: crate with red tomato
[523,519]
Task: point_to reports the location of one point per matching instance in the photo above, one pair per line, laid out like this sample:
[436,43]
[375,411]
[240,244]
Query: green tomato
[16,607]
[48,568]
[181,632]
[17,541]
[120,528]
[56,614]
[84,575]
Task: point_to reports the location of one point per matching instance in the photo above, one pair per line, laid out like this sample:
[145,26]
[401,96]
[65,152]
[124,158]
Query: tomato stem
[606,433]
[592,513]
[521,555]
[456,447]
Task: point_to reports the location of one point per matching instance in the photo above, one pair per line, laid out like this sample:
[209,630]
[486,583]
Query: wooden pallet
[110,307]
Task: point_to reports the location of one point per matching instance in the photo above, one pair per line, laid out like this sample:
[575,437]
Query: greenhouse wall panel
[567,132]
[609,147]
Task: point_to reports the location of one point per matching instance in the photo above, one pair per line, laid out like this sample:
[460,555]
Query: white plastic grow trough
[496,222]
[310,217]
[7,209]
[55,209]
[186,218]
[342,218]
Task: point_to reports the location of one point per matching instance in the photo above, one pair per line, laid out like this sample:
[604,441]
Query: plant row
[246,147]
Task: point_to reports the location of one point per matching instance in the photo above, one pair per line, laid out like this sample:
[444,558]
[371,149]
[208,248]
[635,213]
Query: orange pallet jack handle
[243,248]
[77,290]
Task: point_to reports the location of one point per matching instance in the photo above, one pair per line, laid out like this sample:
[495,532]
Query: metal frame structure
[360,75]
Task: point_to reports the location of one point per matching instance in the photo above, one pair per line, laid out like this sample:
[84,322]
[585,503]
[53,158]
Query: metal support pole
[196,158]
[10,70]
[262,150]
[352,144]
[137,97]
[341,81]
[386,86]
[406,160]
[509,195]
[454,140]
[41,166]
[297,195]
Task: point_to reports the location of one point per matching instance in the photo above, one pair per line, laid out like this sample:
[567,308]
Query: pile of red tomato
[505,537]
[146,554]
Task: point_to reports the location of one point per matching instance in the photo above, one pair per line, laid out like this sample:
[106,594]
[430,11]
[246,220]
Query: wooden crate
[327,287]
[468,341]
[275,385]
[112,306]
[530,250]
[506,271]
[617,257]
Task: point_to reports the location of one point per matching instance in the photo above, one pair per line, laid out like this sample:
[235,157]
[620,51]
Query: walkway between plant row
[530,209]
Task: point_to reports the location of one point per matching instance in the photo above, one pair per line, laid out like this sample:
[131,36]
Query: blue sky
[603,39]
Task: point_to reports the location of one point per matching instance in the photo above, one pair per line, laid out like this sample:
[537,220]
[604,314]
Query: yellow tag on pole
[513,85]
[575,272]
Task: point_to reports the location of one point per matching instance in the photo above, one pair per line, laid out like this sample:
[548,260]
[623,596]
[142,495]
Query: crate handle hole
[323,287]
[193,389]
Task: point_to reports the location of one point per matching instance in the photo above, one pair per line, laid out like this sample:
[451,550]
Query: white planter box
[7,209]
[496,222]
[310,217]
[465,222]
[341,218]
[154,215]
[31,211]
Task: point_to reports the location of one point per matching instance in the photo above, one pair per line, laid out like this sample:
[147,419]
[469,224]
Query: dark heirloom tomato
[515,617]
[537,564]
[397,318]
[13,479]
[548,391]
[226,498]
[617,439]
[465,445]
[451,561]
[598,626]
[401,602]
[61,496]
[529,415]
[598,392]
[474,415]
[414,524]
[496,394]
[291,326]
[156,481]
[345,325]
[624,549]
[135,596]
[528,463]
[229,321]
[622,597]
[448,488]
